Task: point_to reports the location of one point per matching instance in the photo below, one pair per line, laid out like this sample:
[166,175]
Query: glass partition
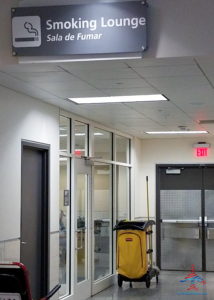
[102,144]
[81,139]
[64,134]
[64,215]
[82,215]
[102,218]
[122,193]
[111,152]
[122,149]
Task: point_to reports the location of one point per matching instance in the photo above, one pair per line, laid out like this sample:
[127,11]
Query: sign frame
[80,29]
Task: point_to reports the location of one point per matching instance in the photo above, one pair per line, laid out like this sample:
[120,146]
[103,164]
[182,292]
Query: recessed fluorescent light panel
[119,99]
[178,132]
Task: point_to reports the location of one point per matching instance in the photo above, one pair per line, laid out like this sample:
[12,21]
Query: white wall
[148,153]
[22,117]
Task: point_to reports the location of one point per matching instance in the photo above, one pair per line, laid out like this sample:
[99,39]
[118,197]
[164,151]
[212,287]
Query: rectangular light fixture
[178,132]
[80,134]
[119,99]
[83,134]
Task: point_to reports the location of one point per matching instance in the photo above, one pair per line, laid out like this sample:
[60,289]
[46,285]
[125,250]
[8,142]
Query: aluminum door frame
[83,289]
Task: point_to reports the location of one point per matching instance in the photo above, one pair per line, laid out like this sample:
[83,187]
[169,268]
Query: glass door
[82,288]
[93,233]
[64,227]
[102,226]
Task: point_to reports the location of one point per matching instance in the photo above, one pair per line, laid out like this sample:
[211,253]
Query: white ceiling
[188,83]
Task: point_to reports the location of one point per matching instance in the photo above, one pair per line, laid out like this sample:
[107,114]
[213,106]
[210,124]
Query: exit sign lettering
[201,152]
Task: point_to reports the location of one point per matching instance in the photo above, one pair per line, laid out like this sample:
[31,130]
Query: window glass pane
[102,144]
[64,215]
[64,134]
[102,221]
[122,149]
[122,192]
[81,139]
[82,201]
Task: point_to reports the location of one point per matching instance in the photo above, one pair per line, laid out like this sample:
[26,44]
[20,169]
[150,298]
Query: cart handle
[133,226]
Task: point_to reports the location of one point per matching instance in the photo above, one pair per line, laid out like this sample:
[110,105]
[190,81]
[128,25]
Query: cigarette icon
[27,39]
[29,27]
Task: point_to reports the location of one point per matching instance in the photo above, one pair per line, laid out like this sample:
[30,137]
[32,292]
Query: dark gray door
[34,216]
[185,215]
[209,217]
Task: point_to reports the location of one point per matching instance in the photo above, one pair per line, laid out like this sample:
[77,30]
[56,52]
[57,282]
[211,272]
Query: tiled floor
[169,288]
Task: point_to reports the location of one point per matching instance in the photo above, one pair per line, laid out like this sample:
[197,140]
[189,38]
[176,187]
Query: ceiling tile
[118,83]
[130,91]
[211,78]
[171,61]
[169,71]
[109,109]
[164,113]
[178,83]
[93,65]
[43,77]
[205,112]
[37,67]
[76,89]
[64,85]
[25,88]
[105,74]
[207,64]
[195,96]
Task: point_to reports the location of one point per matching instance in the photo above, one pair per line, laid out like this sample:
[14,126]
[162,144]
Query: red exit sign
[201,152]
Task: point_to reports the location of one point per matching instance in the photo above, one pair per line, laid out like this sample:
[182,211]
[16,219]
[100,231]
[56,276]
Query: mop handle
[148,216]
[147,194]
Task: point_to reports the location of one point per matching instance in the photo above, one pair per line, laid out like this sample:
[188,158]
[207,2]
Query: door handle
[207,221]
[81,237]
[180,221]
[24,243]
[200,221]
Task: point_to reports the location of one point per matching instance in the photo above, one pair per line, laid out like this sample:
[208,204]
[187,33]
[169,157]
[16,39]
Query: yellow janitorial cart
[134,252]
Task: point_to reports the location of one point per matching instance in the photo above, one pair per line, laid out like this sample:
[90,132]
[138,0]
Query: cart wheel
[119,281]
[148,281]
[157,279]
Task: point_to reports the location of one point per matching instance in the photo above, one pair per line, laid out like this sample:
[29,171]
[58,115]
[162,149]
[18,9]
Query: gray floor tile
[169,288]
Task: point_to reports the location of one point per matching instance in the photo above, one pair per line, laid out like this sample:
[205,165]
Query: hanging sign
[100,28]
